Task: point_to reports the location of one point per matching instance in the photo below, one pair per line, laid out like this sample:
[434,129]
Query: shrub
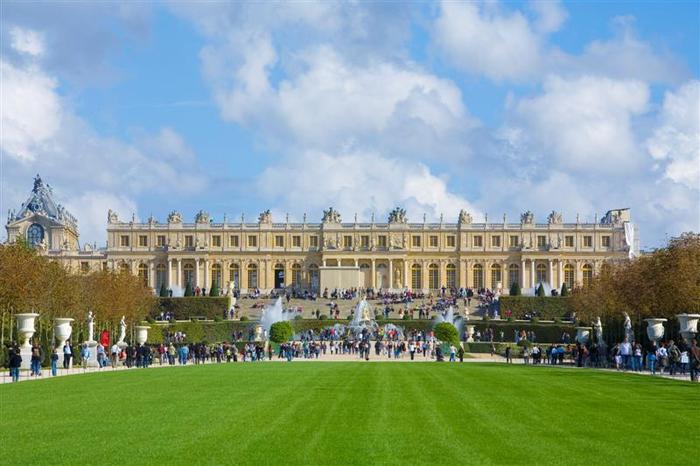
[540,290]
[163,291]
[191,306]
[323,317]
[281,332]
[298,317]
[244,318]
[564,290]
[515,289]
[188,290]
[445,331]
[214,291]
[547,307]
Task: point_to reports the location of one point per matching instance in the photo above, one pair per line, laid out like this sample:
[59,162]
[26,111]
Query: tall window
[124,241]
[415,241]
[587,271]
[296,275]
[513,274]
[451,272]
[587,241]
[216,241]
[189,241]
[433,276]
[569,275]
[143,241]
[541,241]
[188,274]
[478,241]
[296,241]
[433,241]
[234,275]
[478,276]
[279,241]
[541,273]
[495,241]
[569,241]
[233,241]
[347,241]
[253,243]
[450,241]
[252,275]
[314,277]
[216,275]
[605,241]
[364,241]
[160,240]
[416,276]
[143,274]
[381,239]
[495,276]
[514,240]
[313,241]
[161,276]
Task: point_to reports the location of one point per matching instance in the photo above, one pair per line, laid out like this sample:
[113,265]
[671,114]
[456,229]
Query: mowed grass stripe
[349,413]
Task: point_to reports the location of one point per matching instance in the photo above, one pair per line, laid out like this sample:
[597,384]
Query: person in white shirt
[625,352]
[114,355]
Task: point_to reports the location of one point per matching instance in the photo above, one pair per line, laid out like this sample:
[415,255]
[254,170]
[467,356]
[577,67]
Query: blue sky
[493,107]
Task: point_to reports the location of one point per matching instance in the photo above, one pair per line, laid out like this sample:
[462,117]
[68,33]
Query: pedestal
[25,328]
[92,359]
[62,330]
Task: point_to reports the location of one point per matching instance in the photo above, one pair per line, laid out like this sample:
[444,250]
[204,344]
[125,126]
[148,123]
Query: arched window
[587,271]
[216,275]
[496,276]
[278,273]
[188,275]
[569,275]
[124,268]
[296,275]
[143,274]
[314,277]
[252,276]
[478,276]
[541,273]
[513,274]
[433,276]
[161,276]
[416,277]
[35,233]
[234,275]
[451,272]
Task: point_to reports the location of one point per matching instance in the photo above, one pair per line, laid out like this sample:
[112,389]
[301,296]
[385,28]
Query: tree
[445,331]
[515,289]
[163,293]
[564,290]
[188,290]
[214,291]
[281,332]
[540,290]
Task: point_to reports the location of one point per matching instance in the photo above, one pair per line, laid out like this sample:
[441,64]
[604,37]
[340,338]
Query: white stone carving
[202,217]
[554,218]
[398,215]
[175,217]
[265,217]
[331,216]
[465,218]
[527,218]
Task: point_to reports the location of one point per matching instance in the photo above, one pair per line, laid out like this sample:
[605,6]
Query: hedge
[549,333]
[186,307]
[551,307]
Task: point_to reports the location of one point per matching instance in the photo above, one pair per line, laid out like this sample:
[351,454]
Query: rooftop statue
[611,218]
[554,218]
[112,216]
[202,217]
[265,217]
[398,215]
[174,217]
[527,218]
[465,218]
[331,216]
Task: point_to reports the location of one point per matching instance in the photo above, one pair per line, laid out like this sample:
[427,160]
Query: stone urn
[689,325]
[142,334]
[655,329]
[62,330]
[583,334]
[25,329]
[470,332]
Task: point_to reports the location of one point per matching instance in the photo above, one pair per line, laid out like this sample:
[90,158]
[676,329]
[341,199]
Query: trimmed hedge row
[552,307]
[190,306]
[543,332]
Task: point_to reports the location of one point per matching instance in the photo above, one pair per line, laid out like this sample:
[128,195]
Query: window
[514,241]
[478,242]
[605,241]
[364,241]
[496,276]
[569,276]
[587,271]
[253,243]
[587,241]
[415,241]
[216,242]
[347,241]
[124,241]
[124,268]
[188,273]
[433,276]
[143,241]
[569,241]
[35,233]
[216,276]
[189,241]
[513,274]
[478,276]
[234,275]
[541,273]
[253,271]
[495,241]
[84,267]
[450,241]
[160,240]
[451,272]
[541,241]
[416,276]
[279,241]
[233,241]
[382,241]
[433,241]
[143,274]
[296,241]
[160,277]
[313,241]
[296,275]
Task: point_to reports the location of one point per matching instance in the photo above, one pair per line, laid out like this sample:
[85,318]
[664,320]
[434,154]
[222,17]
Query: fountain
[273,313]
[450,317]
[362,324]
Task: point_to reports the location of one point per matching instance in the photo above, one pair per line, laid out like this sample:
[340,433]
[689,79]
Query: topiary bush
[214,291]
[564,290]
[445,331]
[515,289]
[540,290]
[281,332]
[191,306]
[548,307]
[163,291]
[188,290]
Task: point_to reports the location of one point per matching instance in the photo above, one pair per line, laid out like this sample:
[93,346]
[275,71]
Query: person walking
[509,359]
[15,363]
[460,353]
[67,354]
[54,363]
[453,352]
[694,363]
[36,360]
[651,360]
[84,355]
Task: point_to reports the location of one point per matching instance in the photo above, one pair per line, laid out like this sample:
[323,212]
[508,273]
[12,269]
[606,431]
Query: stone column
[168,273]
[178,278]
[560,273]
[532,273]
[406,278]
[442,278]
[550,273]
[152,275]
[391,274]
[206,274]
[196,272]
[522,273]
[577,273]
[373,281]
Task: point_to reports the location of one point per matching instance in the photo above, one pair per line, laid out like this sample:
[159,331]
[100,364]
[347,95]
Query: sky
[233,108]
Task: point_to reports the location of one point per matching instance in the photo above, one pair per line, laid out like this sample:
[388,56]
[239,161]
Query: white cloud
[91,208]
[550,15]
[27,41]
[676,142]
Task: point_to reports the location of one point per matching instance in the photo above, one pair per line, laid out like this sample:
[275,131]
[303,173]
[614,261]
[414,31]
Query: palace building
[395,254]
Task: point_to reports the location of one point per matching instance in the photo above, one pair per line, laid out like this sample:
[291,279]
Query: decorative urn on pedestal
[689,325]
[655,329]
[25,328]
[583,334]
[142,334]
[62,330]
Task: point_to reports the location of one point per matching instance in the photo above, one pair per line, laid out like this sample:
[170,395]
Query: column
[373,281]
[532,273]
[560,273]
[196,272]
[424,273]
[243,285]
[577,273]
[168,273]
[550,273]
[442,279]
[152,275]
[406,277]
[391,274]
[522,273]
[178,278]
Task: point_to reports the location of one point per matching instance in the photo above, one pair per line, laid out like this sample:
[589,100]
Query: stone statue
[554,218]
[397,278]
[395,241]
[91,326]
[178,243]
[365,314]
[175,217]
[398,215]
[527,218]
[112,216]
[202,217]
[122,330]
[42,246]
[265,217]
[152,220]
[629,333]
[465,218]
[331,216]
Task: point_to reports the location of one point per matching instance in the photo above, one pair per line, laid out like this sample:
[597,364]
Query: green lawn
[350,413]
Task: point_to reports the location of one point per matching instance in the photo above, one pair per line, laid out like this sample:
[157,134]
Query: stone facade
[397,254]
